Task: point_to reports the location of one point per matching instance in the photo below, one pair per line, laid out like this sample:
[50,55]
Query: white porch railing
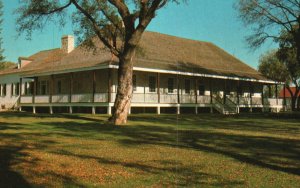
[42,99]
[168,98]
[101,97]
[203,99]
[256,101]
[189,99]
[273,102]
[60,98]
[245,101]
[82,97]
[145,98]
[26,99]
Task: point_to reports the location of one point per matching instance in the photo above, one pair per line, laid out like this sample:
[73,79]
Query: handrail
[228,107]
[230,104]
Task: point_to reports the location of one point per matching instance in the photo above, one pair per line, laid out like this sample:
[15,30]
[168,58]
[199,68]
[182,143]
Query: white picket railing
[187,99]
[144,98]
[60,98]
[82,97]
[203,99]
[168,98]
[26,99]
[42,99]
[101,97]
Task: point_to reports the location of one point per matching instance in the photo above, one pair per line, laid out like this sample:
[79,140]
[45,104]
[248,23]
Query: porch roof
[156,52]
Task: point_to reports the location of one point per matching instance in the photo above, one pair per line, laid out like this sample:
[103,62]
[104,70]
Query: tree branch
[59,9]
[97,29]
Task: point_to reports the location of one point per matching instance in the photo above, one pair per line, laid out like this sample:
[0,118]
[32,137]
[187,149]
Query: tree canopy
[271,67]
[269,18]
[6,64]
[109,20]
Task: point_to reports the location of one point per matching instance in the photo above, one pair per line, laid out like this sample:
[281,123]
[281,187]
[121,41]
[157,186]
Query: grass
[152,151]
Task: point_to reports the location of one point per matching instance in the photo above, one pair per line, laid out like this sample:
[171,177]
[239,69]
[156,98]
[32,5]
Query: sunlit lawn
[157,151]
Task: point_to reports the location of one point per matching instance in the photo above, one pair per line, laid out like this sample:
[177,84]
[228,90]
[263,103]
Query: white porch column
[70,110]
[50,109]
[178,109]
[196,109]
[93,110]
[158,110]
[33,110]
[109,110]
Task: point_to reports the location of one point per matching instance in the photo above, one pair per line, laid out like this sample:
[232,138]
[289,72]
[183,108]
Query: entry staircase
[229,108]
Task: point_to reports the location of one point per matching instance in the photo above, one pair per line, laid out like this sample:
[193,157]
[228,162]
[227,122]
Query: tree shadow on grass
[9,155]
[275,153]
[182,175]
[15,154]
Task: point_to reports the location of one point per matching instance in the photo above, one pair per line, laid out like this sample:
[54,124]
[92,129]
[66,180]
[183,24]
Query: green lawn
[157,151]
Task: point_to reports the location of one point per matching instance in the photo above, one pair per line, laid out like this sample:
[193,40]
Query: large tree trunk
[125,72]
[124,91]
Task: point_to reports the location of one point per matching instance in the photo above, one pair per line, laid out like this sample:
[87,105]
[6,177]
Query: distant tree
[287,54]
[1,40]
[119,24]
[269,18]
[6,64]
[271,66]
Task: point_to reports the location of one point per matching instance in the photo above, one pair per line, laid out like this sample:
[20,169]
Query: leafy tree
[271,67]
[119,24]
[269,18]
[6,64]
[283,70]
[287,54]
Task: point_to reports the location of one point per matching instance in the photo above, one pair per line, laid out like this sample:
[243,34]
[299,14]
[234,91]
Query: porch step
[227,109]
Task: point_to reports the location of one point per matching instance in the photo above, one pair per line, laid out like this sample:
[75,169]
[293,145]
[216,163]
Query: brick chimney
[67,43]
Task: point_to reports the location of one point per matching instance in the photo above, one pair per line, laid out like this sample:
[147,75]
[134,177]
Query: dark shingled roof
[156,51]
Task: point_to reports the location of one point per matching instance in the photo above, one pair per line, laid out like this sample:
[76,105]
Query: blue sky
[206,20]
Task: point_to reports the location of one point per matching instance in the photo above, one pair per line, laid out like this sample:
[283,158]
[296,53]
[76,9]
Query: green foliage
[271,67]
[4,65]
[287,54]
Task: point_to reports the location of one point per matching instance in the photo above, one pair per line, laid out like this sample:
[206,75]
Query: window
[152,83]
[4,90]
[240,90]
[12,89]
[134,82]
[17,89]
[201,89]
[187,85]
[59,87]
[170,85]
[227,90]
[43,87]
[251,90]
